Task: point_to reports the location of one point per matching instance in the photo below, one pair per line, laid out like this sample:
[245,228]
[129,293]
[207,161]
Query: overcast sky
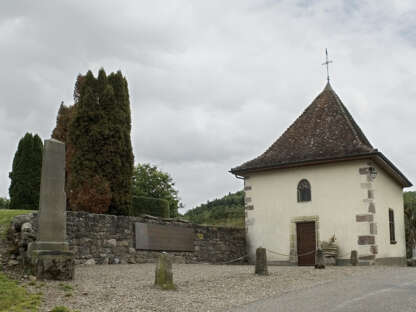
[212,83]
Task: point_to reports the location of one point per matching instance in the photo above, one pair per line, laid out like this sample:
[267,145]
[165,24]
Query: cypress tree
[25,175]
[99,133]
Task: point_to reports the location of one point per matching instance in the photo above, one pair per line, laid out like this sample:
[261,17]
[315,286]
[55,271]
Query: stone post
[261,262]
[50,255]
[320,261]
[354,257]
[163,273]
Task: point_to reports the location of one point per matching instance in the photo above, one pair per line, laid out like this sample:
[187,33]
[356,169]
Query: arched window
[304,191]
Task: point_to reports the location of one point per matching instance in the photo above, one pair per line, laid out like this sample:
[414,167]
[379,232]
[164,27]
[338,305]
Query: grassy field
[6,216]
[15,298]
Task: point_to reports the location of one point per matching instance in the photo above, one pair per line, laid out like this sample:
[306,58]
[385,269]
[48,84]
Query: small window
[391,226]
[304,191]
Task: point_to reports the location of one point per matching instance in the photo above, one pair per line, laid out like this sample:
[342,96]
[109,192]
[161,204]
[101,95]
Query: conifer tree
[25,175]
[99,133]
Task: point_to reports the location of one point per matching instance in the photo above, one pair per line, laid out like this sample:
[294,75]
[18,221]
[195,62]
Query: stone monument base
[52,264]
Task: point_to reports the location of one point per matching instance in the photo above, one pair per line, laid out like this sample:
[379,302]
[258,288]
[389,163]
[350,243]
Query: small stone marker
[320,261]
[50,256]
[163,273]
[354,257]
[261,262]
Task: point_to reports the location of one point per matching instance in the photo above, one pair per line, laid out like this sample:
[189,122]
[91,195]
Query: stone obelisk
[50,255]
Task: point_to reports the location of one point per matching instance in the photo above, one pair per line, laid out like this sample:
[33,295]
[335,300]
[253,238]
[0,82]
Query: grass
[6,216]
[14,298]
[65,287]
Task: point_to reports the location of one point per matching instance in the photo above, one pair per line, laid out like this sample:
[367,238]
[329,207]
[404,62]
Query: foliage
[228,211]
[60,133]
[14,298]
[96,190]
[4,203]
[25,175]
[409,199]
[149,181]
[6,216]
[96,130]
[152,206]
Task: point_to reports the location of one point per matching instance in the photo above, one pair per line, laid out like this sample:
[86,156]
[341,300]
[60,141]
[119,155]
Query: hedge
[152,206]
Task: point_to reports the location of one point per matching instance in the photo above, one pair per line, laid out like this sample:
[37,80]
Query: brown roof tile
[325,130]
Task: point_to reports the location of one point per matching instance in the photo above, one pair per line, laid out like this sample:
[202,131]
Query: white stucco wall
[389,195]
[338,196]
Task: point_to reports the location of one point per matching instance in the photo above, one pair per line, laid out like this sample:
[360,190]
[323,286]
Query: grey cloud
[212,83]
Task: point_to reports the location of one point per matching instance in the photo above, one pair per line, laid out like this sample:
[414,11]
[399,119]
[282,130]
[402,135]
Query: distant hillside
[225,211]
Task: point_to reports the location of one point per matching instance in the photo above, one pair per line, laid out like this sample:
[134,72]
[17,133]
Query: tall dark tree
[25,175]
[99,133]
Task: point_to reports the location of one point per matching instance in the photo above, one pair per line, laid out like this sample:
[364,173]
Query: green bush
[152,206]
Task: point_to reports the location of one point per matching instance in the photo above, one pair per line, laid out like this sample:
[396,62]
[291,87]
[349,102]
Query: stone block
[374,249]
[261,262]
[373,228]
[364,218]
[110,243]
[354,257]
[53,265]
[163,273]
[371,207]
[366,240]
[370,194]
[320,261]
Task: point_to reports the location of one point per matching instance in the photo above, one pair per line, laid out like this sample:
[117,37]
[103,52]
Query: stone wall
[102,239]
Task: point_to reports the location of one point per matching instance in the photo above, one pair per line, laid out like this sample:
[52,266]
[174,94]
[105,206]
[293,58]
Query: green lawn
[14,298]
[6,216]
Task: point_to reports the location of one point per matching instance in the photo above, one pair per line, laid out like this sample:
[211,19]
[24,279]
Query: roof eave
[377,156]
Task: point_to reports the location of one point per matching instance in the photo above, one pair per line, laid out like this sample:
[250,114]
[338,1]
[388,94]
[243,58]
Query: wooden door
[306,242]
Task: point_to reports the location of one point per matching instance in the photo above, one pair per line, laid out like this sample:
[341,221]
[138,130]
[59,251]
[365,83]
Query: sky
[212,83]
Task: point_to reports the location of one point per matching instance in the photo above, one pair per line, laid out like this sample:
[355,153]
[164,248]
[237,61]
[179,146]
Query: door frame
[293,235]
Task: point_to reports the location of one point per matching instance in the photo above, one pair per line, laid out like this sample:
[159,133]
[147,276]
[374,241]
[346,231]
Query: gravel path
[201,287]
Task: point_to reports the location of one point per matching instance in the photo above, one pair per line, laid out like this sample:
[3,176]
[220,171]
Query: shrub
[152,206]
[93,196]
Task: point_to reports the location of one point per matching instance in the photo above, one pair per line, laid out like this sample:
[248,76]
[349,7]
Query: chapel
[323,180]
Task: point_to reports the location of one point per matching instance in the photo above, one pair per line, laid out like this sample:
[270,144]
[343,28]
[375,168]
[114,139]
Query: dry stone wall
[109,239]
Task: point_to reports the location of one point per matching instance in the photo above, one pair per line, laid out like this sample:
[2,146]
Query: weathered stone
[49,255]
[163,273]
[364,218]
[27,227]
[53,265]
[90,262]
[261,262]
[12,262]
[366,240]
[92,235]
[320,261]
[52,200]
[371,207]
[373,228]
[18,221]
[354,257]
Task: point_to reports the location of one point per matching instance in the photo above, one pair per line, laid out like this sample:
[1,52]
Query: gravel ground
[201,287]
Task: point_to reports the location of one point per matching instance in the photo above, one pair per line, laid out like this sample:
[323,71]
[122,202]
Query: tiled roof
[325,131]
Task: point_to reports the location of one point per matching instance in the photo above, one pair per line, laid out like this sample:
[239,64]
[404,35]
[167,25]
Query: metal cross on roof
[327,65]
